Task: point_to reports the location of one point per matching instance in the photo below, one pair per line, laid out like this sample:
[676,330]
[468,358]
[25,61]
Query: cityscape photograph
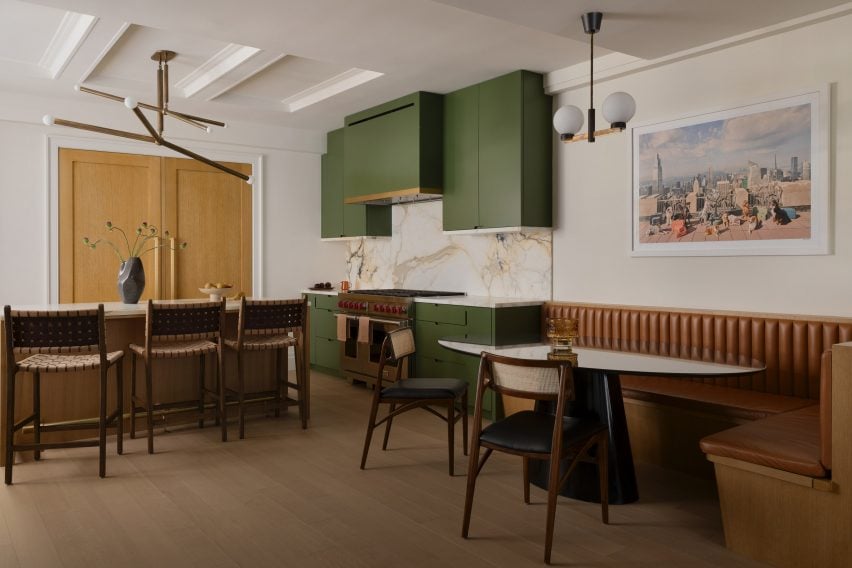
[743,178]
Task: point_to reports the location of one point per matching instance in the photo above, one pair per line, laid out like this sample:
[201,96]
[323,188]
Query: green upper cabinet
[394,147]
[339,220]
[498,154]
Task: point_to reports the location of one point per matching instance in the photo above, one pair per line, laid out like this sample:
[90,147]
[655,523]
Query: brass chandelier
[155,135]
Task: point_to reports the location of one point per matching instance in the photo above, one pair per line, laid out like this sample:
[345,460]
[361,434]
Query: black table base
[598,394]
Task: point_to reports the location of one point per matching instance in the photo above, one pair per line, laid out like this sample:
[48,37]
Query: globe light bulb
[48,120]
[250,180]
[131,103]
[77,88]
[567,121]
[618,109]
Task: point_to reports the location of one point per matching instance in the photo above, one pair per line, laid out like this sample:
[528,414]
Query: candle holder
[562,332]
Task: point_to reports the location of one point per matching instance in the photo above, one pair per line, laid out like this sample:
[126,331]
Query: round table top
[610,360]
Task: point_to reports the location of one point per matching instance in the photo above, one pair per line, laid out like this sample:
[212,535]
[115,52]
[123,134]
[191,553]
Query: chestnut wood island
[74,396]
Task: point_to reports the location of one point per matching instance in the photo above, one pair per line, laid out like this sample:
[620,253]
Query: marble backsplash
[420,256]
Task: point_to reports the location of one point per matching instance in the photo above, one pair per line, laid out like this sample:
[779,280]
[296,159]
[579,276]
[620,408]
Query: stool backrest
[63,331]
[184,322]
[271,317]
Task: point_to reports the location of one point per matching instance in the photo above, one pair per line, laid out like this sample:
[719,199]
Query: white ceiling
[244,61]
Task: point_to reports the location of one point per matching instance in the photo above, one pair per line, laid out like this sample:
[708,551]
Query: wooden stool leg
[451,429]
[201,374]
[149,404]
[37,412]
[119,395]
[241,394]
[102,424]
[526,480]
[300,380]
[10,422]
[374,409]
[388,427]
[132,395]
[279,379]
[223,410]
[464,421]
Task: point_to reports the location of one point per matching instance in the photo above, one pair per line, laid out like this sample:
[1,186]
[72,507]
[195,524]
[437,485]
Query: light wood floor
[287,497]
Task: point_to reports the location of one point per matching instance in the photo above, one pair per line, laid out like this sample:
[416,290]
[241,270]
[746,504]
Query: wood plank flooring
[287,497]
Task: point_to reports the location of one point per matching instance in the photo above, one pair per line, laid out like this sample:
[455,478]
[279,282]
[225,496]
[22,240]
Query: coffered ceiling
[307,63]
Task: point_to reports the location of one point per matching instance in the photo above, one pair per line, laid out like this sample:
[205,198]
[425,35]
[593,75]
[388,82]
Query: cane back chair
[534,434]
[414,393]
[58,342]
[266,325]
[180,331]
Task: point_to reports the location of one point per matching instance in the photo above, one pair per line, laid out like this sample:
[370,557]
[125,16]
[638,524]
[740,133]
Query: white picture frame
[715,222]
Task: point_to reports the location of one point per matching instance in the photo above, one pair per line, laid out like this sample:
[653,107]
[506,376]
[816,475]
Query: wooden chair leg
[526,480]
[451,432]
[241,394]
[37,413]
[374,409]
[10,424]
[102,425]
[552,494]
[472,474]
[201,375]
[388,427]
[300,380]
[603,473]
[464,422]
[132,395]
[149,405]
[119,401]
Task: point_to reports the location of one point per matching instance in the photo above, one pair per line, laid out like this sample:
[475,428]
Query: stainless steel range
[384,310]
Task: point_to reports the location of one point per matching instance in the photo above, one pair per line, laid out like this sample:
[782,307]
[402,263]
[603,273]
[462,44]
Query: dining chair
[180,331]
[59,342]
[535,434]
[266,325]
[409,394]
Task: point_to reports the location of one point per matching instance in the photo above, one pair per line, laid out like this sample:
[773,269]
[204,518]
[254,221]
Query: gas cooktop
[403,293]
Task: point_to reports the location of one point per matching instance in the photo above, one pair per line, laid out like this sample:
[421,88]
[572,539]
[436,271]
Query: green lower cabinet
[325,349]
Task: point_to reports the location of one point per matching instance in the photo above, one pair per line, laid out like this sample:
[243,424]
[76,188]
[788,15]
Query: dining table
[597,394]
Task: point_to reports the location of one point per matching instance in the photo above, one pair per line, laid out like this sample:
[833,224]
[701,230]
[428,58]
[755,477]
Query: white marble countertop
[481,301]
[116,310]
[323,292]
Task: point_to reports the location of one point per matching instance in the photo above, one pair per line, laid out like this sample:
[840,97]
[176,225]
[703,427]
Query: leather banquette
[781,425]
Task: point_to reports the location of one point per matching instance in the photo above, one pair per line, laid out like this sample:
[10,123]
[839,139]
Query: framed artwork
[750,180]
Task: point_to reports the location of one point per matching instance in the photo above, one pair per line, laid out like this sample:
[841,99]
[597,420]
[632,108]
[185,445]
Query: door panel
[95,187]
[210,210]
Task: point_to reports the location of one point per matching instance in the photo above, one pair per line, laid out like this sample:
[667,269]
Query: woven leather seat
[266,325]
[59,341]
[425,388]
[407,394]
[177,349]
[180,331]
[263,343]
[55,363]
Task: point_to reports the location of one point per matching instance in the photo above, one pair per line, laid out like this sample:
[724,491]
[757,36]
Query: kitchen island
[68,397]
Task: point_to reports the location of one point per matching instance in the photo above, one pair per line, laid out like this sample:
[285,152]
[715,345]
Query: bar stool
[266,325]
[59,342]
[179,331]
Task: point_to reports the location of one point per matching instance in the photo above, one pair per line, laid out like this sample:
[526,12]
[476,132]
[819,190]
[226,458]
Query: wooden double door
[197,204]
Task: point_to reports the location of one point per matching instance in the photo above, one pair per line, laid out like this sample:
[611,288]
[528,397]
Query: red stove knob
[340,304]
[397,310]
[380,308]
[347,305]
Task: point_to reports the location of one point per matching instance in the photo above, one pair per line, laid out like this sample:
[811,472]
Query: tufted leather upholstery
[796,351]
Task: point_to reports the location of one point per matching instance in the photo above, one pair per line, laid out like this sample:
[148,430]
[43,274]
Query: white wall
[591,246]
[293,256]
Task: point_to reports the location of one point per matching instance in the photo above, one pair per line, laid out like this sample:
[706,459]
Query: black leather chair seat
[530,431]
[425,388]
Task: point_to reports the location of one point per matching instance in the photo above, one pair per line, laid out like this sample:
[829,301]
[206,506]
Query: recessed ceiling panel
[26,30]
[284,78]
[128,64]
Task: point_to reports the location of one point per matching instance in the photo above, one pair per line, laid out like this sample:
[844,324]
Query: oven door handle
[400,323]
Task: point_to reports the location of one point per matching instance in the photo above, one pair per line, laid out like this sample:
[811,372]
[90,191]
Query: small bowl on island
[216,291]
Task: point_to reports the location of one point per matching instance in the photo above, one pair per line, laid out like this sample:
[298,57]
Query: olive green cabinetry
[488,326]
[498,154]
[325,349]
[338,219]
